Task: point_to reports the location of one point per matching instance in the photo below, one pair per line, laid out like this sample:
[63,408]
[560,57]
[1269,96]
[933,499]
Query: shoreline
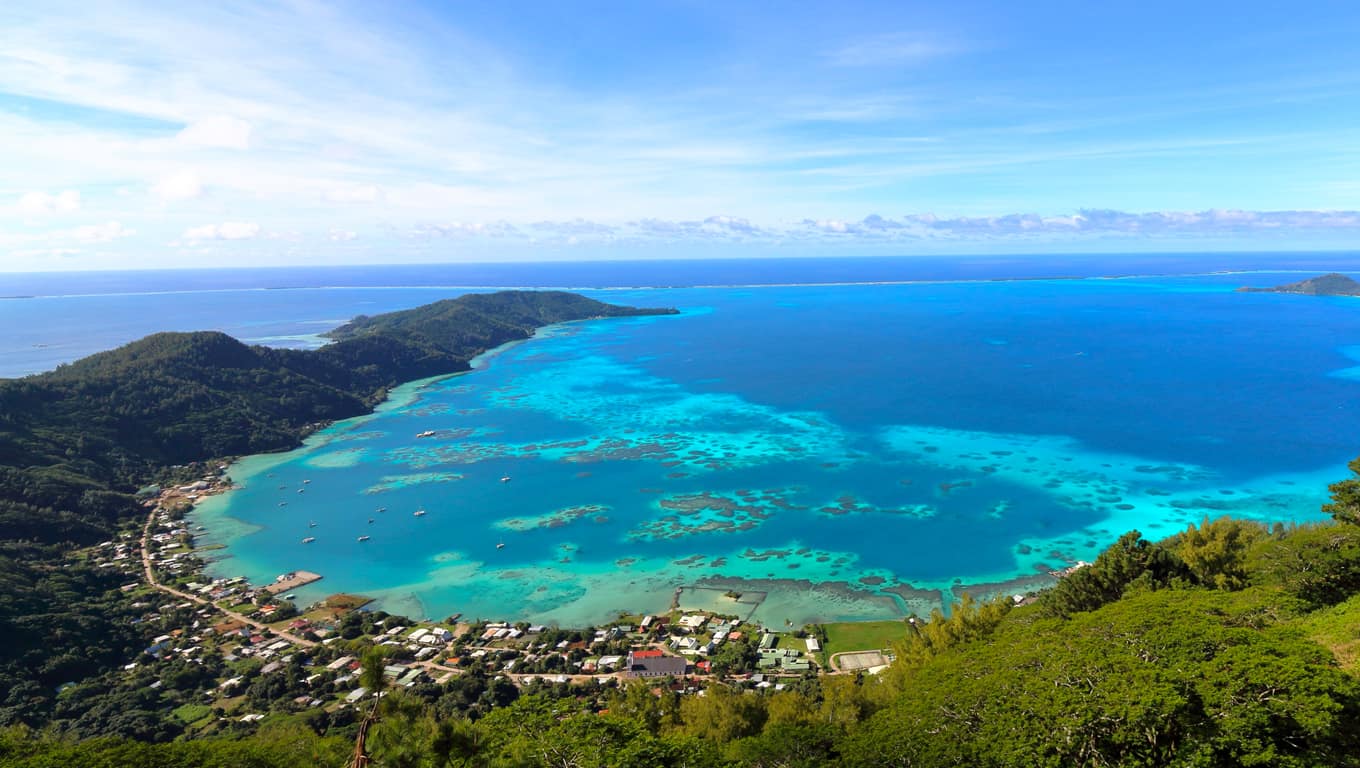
[905,594]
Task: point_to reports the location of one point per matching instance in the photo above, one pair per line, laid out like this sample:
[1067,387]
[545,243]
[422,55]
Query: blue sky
[158,134]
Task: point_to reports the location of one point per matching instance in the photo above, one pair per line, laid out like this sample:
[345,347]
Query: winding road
[151,579]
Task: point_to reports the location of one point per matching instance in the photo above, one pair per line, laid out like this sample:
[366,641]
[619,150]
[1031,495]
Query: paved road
[151,579]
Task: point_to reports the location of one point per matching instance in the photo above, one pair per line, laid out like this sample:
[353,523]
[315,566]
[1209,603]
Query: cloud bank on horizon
[154,134]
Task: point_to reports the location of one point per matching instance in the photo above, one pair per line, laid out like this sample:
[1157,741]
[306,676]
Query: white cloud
[1087,222]
[230,230]
[180,185]
[889,49]
[341,236]
[573,227]
[219,132]
[100,233]
[468,229]
[354,193]
[830,225]
[43,203]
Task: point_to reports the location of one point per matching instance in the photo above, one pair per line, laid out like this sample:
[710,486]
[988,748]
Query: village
[266,654]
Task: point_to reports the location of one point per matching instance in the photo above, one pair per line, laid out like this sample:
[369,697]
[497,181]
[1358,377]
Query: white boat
[419,513]
[426,433]
[505,479]
[304,482]
[382,509]
[500,545]
[362,538]
[309,540]
[312,524]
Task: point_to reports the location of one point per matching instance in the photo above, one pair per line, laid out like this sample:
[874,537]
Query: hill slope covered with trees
[77,442]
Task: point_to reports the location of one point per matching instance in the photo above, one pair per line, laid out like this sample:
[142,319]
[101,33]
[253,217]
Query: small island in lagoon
[1334,284]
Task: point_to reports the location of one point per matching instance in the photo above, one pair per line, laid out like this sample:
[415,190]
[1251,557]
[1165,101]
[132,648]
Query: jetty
[292,580]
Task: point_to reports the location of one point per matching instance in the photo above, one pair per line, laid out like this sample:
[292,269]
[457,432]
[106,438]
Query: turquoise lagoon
[831,452]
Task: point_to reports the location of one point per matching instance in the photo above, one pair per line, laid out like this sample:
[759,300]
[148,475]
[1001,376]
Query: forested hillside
[77,442]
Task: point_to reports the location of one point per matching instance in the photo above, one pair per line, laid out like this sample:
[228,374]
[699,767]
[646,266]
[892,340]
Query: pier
[292,580]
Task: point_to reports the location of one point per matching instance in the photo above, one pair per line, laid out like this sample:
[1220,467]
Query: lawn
[862,635]
[192,713]
[1338,630]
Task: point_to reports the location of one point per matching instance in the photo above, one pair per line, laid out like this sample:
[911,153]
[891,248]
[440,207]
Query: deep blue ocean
[835,438]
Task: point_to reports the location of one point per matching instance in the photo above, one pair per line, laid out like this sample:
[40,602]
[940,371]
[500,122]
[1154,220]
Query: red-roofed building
[654,663]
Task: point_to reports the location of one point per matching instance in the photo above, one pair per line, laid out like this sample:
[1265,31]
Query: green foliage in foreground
[1218,666]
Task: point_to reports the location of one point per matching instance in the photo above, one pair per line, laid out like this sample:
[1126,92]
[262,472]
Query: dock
[292,580]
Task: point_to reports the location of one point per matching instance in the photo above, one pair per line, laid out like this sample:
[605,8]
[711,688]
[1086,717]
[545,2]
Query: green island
[1333,284]
[1229,643]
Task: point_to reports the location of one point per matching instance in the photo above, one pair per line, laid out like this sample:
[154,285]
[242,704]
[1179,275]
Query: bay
[830,452]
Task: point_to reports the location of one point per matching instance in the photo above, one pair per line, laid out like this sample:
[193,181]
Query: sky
[172,134]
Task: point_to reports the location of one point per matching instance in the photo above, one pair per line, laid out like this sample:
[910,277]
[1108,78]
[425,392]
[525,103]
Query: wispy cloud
[100,233]
[228,230]
[1154,224]
[422,127]
[45,203]
[222,132]
[890,49]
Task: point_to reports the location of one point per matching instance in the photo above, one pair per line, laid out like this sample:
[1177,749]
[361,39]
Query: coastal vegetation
[1228,644]
[78,442]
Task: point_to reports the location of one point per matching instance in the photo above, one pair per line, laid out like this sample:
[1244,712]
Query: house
[813,646]
[683,644]
[653,664]
[694,621]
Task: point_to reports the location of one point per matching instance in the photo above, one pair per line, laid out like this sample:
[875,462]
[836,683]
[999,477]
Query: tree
[1319,564]
[1132,559]
[1345,504]
[656,712]
[1166,677]
[722,714]
[1216,551]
